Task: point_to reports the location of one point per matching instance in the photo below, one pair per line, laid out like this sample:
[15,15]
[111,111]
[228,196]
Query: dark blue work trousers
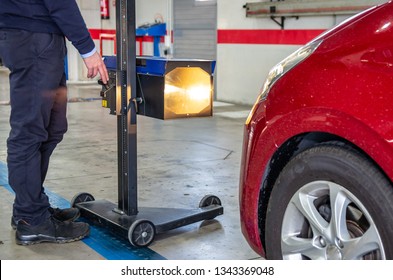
[38,98]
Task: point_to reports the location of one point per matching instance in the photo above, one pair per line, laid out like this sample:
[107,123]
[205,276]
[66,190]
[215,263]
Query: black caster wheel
[141,233]
[81,197]
[209,200]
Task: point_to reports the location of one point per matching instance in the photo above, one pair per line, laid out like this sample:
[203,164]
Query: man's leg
[36,61]
[36,71]
[56,128]
[56,124]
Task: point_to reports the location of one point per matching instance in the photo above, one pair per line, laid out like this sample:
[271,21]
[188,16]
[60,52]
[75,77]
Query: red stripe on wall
[95,34]
[268,37]
[246,36]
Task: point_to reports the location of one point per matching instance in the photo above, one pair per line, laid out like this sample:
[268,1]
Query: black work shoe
[63,215]
[52,230]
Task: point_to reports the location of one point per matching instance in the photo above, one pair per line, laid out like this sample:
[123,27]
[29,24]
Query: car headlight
[283,67]
[287,64]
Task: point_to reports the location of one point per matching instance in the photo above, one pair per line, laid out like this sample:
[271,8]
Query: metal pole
[125,108]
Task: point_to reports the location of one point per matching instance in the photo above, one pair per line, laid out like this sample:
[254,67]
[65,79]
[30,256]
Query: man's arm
[68,17]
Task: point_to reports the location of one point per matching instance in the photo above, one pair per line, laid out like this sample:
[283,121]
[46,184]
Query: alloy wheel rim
[323,221]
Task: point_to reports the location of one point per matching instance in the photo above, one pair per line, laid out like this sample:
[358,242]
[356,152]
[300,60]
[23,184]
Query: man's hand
[95,65]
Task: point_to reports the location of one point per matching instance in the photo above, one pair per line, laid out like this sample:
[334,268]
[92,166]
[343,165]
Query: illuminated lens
[188,91]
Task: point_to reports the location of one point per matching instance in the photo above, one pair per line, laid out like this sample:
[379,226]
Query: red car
[317,163]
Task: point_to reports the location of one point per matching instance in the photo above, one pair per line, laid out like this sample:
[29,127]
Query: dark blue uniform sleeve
[66,14]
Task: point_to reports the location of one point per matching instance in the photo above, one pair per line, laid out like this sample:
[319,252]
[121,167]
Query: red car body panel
[345,88]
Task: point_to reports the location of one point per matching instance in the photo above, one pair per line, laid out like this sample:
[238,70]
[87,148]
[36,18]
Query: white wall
[146,11]
[242,68]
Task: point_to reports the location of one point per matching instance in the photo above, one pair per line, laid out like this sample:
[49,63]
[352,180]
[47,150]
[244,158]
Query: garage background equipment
[140,225]
[155,30]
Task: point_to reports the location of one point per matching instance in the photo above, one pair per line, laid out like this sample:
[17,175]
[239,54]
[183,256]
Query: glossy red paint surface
[345,88]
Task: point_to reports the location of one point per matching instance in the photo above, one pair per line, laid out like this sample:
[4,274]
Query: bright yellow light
[172,89]
[188,91]
[199,92]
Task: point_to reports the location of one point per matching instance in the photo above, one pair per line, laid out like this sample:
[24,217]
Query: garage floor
[179,162]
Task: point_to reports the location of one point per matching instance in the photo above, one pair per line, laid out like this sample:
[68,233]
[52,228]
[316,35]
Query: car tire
[330,202]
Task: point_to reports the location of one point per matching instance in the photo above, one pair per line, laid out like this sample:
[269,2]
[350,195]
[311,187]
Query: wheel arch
[284,154]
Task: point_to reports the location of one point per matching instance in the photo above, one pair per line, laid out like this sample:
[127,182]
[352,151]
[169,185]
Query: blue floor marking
[101,240]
